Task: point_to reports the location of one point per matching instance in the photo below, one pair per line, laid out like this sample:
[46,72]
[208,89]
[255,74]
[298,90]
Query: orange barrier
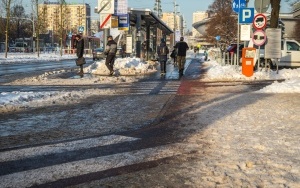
[248,55]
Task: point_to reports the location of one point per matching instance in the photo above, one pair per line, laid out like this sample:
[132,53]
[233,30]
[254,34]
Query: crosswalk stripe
[83,167]
[63,147]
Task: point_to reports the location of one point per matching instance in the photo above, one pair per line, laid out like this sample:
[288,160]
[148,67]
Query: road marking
[82,167]
[63,147]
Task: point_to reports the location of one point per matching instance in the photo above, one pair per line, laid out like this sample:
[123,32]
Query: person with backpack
[110,52]
[162,52]
[181,47]
[173,55]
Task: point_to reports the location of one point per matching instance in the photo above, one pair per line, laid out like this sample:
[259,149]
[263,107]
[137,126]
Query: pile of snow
[286,81]
[123,66]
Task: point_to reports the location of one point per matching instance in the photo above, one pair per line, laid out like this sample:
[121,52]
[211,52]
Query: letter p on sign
[246,15]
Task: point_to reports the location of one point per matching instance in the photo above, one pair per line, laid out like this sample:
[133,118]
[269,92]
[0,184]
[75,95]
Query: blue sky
[186,7]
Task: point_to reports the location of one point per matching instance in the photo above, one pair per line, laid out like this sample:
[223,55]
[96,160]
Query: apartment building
[67,16]
[174,22]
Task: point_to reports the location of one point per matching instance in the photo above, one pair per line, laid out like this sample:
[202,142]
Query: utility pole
[175,23]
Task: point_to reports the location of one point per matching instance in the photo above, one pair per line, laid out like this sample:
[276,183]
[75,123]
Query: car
[290,54]
[232,50]
[98,53]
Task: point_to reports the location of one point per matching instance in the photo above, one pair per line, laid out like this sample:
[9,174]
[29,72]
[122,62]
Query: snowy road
[153,133]
[28,67]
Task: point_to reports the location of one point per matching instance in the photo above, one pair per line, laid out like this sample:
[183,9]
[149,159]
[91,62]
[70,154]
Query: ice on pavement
[288,79]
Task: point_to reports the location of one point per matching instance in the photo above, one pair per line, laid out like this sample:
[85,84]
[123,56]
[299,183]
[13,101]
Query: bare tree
[40,23]
[223,22]
[275,6]
[7,4]
[2,21]
[18,23]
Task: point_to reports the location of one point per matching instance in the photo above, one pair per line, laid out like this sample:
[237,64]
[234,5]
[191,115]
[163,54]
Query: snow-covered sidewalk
[125,66]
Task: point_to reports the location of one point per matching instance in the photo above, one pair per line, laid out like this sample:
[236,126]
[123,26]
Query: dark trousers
[109,62]
[81,66]
[163,66]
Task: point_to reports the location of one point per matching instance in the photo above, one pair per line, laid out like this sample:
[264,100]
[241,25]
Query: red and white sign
[259,21]
[106,6]
[105,21]
[259,37]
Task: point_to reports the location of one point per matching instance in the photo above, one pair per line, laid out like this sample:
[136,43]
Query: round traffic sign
[107,3]
[261,6]
[259,37]
[259,21]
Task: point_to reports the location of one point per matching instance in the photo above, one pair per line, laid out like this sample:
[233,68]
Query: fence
[223,58]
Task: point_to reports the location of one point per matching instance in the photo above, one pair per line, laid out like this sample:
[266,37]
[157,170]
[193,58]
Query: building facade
[175,22]
[171,20]
[68,17]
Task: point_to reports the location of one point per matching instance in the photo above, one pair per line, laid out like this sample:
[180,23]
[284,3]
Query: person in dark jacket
[79,50]
[162,52]
[110,52]
[174,55]
[181,47]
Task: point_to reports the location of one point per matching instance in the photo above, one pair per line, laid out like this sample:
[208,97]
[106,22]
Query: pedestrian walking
[174,55]
[79,52]
[181,47]
[110,52]
[162,52]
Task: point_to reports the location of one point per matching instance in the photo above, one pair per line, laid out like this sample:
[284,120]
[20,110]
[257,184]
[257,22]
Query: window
[292,46]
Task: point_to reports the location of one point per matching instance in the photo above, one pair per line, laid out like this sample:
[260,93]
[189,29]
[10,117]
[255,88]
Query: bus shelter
[145,21]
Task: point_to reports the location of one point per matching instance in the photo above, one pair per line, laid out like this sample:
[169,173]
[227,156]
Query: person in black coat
[181,47]
[174,55]
[79,50]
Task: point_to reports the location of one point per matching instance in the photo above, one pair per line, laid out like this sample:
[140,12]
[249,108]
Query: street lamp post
[175,20]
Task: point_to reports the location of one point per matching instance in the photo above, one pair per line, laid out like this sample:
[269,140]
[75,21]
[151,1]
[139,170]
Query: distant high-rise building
[157,8]
[174,22]
[71,16]
[197,17]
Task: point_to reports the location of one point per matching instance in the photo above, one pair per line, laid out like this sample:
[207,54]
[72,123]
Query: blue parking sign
[237,4]
[246,15]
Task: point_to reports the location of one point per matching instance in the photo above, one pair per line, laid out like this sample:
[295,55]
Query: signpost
[105,21]
[245,33]
[237,4]
[273,46]
[260,21]
[246,15]
[261,6]
[259,37]
[106,6]
[123,22]
[80,29]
